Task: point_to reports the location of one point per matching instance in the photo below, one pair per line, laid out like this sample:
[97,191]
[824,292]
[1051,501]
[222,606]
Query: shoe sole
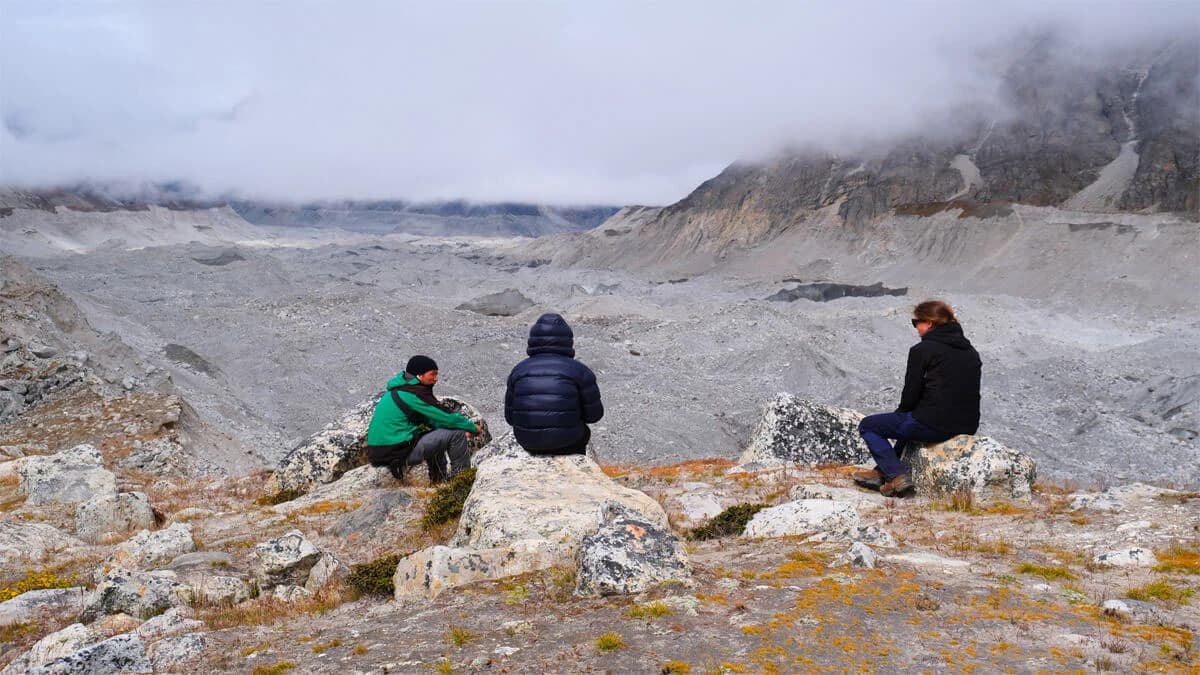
[869,484]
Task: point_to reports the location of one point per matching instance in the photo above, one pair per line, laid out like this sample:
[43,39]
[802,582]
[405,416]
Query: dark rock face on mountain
[1103,137]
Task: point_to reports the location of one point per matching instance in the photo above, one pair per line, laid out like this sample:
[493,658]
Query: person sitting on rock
[940,398]
[410,425]
[551,398]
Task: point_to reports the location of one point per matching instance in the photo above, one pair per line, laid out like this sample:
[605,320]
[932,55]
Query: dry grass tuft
[1178,559]
[610,642]
[650,610]
[1162,590]
[277,668]
[1047,572]
[266,610]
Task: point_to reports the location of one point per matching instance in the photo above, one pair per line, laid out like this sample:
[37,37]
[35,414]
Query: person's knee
[866,424]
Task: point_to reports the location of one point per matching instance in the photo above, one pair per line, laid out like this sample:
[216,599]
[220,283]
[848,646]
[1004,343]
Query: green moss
[1046,572]
[730,522]
[447,503]
[375,577]
[279,497]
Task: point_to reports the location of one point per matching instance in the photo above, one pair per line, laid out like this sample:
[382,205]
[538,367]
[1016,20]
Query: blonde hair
[935,312]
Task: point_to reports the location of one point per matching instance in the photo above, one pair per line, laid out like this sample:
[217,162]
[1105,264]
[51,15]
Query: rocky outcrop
[32,605]
[149,549]
[795,431]
[629,555]
[109,515]
[138,594]
[508,302]
[285,560]
[56,645]
[29,542]
[73,475]
[118,655]
[159,457]
[340,446]
[977,465]
[524,513]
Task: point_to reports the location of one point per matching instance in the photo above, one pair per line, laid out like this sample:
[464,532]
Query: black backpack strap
[413,416]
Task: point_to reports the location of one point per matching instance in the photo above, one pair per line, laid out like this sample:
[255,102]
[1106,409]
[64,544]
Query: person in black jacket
[940,398]
[551,397]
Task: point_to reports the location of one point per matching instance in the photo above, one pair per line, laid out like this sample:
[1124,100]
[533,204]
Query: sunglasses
[917,321]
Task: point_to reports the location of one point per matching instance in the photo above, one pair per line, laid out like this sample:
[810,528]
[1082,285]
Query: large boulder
[108,515]
[285,560]
[53,646]
[629,555]
[159,457]
[138,594]
[34,605]
[977,465]
[31,542]
[802,517]
[174,653]
[524,514]
[796,431]
[518,496]
[149,549]
[71,476]
[118,655]
[340,446]
[508,302]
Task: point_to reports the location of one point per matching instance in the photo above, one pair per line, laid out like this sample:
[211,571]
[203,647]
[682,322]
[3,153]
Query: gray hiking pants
[433,447]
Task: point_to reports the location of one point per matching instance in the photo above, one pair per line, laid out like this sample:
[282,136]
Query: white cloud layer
[553,102]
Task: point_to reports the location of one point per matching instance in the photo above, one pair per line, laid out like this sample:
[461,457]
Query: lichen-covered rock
[1127,557]
[327,568]
[138,594]
[802,517]
[858,555]
[171,622]
[70,476]
[33,605]
[430,571]
[175,652]
[148,549]
[518,496]
[1119,498]
[214,589]
[113,514]
[159,457]
[795,431]
[629,555]
[696,503]
[286,560]
[971,464]
[115,656]
[28,542]
[290,594]
[54,646]
[340,446]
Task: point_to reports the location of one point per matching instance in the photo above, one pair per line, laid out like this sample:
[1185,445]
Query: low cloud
[551,102]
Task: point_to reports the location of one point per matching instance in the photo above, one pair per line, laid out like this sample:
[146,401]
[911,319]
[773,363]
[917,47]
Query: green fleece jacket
[389,424]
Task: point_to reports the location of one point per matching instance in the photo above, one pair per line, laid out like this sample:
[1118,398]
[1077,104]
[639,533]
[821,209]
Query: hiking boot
[897,486]
[870,479]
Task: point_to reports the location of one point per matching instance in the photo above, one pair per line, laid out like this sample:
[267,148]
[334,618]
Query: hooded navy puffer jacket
[551,397]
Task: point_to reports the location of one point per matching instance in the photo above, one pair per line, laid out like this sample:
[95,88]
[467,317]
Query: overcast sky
[598,102]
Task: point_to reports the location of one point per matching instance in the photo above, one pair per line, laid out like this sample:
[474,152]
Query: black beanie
[419,365]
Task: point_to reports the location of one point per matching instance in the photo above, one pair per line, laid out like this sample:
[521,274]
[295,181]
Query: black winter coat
[551,397]
[941,382]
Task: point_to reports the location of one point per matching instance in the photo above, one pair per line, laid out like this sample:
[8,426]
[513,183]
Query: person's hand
[478,430]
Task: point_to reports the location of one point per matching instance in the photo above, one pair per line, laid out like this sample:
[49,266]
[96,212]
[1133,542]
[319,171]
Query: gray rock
[289,593]
[327,568]
[115,656]
[54,646]
[339,446]
[29,542]
[74,475]
[286,560]
[429,572]
[42,351]
[859,555]
[795,431]
[1128,557]
[32,605]
[628,555]
[859,498]
[1118,498]
[976,464]
[175,652]
[561,500]
[148,549]
[508,302]
[802,517]
[113,514]
[138,594]
[206,588]
[696,503]
[171,622]
[373,514]
[159,457]
[200,559]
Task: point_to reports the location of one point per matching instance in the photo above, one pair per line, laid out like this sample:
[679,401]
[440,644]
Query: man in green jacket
[410,425]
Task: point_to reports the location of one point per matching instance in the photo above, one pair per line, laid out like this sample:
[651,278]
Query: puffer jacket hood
[550,334]
[949,334]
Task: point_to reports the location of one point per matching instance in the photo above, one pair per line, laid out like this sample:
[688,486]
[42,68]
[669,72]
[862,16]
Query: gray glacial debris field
[273,343]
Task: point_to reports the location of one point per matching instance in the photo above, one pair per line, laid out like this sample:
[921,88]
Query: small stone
[1115,607]
[859,555]
[285,560]
[802,517]
[108,514]
[629,554]
[1129,557]
[42,351]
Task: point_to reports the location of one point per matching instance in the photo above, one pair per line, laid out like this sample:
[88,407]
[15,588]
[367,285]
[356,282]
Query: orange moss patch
[1178,559]
[694,468]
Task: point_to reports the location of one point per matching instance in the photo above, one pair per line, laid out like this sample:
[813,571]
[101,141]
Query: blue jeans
[903,427]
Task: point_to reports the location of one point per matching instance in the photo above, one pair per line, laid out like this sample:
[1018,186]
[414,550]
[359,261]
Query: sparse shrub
[1178,559]
[1161,589]
[359,650]
[15,631]
[279,497]
[375,577]
[36,581]
[676,668]
[610,642]
[444,667]
[460,636]
[275,668]
[650,610]
[447,502]
[1047,572]
[326,646]
[730,522]
[962,501]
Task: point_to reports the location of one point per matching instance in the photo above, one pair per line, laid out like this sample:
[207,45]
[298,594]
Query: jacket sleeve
[589,397]
[439,418]
[508,400]
[914,380]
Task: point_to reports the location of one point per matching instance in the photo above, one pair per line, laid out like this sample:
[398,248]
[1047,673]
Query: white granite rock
[429,572]
[54,646]
[118,655]
[174,621]
[858,555]
[1128,557]
[138,594]
[72,476]
[148,549]
[326,569]
[802,517]
[23,543]
[173,653]
[286,560]
[32,605]
[979,465]
[113,514]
